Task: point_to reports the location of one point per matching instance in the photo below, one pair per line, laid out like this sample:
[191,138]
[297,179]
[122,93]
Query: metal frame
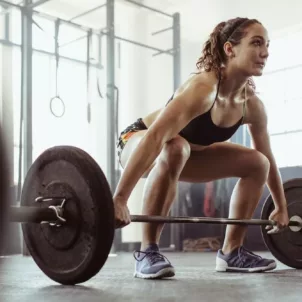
[161,31]
[95,31]
[109,32]
[26,89]
[88,12]
[149,8]
[111,171]
[6,29]
[37,3]
[9,43]
[175,242]
[10,4]
[6,8]
[176,48]
[286,132]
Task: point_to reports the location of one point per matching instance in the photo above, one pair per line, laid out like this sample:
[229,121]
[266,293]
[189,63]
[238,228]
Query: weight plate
[287,245]
[76,251]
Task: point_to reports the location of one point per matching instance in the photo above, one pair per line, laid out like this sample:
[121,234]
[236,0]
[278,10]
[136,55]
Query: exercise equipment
[68,217]
[75,232]
[287,245]
[57,100]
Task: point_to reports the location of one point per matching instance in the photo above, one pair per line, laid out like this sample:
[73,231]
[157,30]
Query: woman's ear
[228,49]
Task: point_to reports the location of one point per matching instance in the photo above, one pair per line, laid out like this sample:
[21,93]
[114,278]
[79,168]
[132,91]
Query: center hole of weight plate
[296,228]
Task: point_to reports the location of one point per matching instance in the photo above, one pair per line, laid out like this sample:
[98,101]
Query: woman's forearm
[275,185]
[140,160]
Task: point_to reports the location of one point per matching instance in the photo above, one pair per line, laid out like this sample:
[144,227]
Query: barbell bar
[31,214]
[183,219]
[38,215]
[67,197]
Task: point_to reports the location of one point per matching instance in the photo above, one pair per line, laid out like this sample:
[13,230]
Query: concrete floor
[195,280]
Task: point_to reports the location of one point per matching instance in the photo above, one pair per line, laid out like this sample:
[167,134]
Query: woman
[186,141]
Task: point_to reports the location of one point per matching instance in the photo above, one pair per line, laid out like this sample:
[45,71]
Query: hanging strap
[89,38]
[57,29]
[57,97]
[100,66]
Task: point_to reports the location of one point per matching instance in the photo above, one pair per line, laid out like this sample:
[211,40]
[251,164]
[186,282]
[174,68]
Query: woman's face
[251,54]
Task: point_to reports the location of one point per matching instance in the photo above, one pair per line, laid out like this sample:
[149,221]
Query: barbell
[67,217]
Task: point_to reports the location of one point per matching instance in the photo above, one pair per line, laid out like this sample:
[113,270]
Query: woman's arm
[261,142]
[193,101]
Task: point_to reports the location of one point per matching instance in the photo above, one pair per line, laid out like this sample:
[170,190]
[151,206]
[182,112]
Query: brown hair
[213,55]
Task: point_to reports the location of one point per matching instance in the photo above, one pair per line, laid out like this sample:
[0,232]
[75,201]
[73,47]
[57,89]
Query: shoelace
[153,256]
[245,255]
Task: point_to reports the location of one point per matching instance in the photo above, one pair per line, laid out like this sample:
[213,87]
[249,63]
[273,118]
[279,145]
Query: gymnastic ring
[51,105]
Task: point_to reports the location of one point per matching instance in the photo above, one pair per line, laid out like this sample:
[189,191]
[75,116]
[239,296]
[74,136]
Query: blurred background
[77,72]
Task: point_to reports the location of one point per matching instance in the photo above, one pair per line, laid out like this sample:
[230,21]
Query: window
[73,42]
[43,34]
[280,90]
[16,30]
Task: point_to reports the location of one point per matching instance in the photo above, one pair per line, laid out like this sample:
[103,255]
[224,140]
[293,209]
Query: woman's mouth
[259,64]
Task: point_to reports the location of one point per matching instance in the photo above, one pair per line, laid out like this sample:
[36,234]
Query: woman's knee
[260,166]
[175,153]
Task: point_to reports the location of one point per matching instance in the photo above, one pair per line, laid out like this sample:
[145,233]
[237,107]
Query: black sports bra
[202,131]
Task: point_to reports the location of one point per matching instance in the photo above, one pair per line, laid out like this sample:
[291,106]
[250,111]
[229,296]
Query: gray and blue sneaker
[150,264]
[242,260]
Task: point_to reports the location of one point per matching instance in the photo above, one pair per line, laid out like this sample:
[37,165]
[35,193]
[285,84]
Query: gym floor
[195,280]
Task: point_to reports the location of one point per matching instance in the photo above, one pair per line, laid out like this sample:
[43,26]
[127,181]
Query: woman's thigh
[222,160]
[174,153]
[130,146]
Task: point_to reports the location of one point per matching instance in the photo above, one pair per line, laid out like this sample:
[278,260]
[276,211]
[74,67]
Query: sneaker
[242,260]
[150,264]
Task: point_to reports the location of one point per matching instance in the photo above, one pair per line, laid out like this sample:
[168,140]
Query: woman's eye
[257,43]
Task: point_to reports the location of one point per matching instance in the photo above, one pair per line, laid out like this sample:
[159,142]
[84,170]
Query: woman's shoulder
[255,107]
[198,80]
[208,78]
[254,100]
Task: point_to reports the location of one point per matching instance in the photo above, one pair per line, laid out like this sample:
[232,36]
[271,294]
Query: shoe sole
[247,270]
[164,273]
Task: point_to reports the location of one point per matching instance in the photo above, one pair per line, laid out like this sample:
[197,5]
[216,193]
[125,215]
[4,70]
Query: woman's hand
[280,216]
[122,214]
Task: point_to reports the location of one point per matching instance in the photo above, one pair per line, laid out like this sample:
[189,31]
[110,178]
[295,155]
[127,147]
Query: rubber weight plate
[287,245]
[76,251]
